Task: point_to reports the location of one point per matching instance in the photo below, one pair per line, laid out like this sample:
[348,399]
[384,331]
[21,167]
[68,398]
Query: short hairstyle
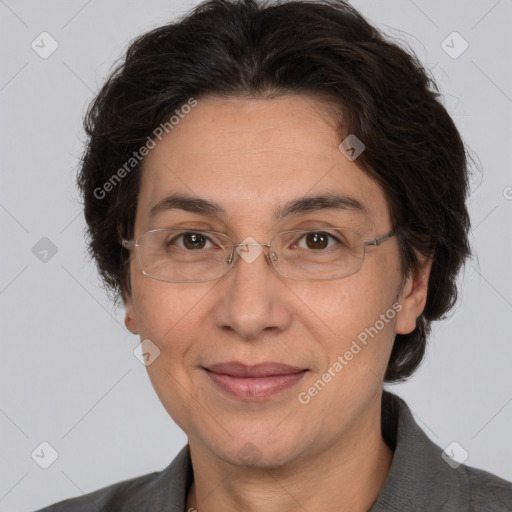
[245,48]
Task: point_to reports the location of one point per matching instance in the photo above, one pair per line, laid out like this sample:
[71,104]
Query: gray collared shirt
[419,479]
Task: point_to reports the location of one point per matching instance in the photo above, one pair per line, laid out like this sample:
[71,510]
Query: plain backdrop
[68,373]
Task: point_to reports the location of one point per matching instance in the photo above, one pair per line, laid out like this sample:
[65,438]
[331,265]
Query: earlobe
[413,299]
[130,320]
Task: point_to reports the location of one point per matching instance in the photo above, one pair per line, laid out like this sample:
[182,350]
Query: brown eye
[190,241]
[317,240]
[194,240]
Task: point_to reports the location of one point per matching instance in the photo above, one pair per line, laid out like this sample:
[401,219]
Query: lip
[254,382]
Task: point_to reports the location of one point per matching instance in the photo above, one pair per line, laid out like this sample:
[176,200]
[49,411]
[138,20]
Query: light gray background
[68,373]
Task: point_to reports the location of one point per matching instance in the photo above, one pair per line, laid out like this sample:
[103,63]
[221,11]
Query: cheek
[171,316]
[167,317]
[161,307]
[354,317]
[346,305]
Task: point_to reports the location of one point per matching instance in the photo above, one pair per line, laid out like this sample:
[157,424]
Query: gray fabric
[418,480]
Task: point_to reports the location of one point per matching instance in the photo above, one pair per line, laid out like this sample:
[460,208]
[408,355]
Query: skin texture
[252,155]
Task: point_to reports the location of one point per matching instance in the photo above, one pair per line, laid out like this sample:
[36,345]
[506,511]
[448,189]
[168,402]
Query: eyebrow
[301,205]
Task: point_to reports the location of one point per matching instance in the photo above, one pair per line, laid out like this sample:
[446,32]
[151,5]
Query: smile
[254,383]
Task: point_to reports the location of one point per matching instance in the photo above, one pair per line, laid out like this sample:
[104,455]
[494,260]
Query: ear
[130,320]
[413,298]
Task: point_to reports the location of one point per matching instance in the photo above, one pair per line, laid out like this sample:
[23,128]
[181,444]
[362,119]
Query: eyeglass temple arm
[378,241]
[128,244]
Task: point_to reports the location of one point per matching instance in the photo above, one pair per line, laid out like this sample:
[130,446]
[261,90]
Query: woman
[278,197]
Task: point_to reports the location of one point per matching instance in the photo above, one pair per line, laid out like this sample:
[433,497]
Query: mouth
[254,382]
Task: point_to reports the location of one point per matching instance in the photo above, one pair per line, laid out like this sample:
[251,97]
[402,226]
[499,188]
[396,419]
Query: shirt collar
[419,478]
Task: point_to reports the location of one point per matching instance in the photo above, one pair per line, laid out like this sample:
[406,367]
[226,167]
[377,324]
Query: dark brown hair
[266,49]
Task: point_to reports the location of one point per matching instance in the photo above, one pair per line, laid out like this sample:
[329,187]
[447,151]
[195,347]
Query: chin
[259,452]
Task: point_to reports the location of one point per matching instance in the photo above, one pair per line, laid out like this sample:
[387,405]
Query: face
[251,157]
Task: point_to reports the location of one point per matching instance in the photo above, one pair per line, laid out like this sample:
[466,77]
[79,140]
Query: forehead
[251,156]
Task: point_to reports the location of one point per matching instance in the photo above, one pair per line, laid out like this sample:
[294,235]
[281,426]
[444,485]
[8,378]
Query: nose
[253,295]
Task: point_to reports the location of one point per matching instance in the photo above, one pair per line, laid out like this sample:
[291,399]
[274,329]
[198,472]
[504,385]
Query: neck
[349,473]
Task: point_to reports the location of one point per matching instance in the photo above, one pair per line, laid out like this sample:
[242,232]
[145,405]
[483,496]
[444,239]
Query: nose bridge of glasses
[247,254]
[257,244]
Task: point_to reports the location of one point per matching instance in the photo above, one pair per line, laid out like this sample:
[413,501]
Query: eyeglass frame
[133,244]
